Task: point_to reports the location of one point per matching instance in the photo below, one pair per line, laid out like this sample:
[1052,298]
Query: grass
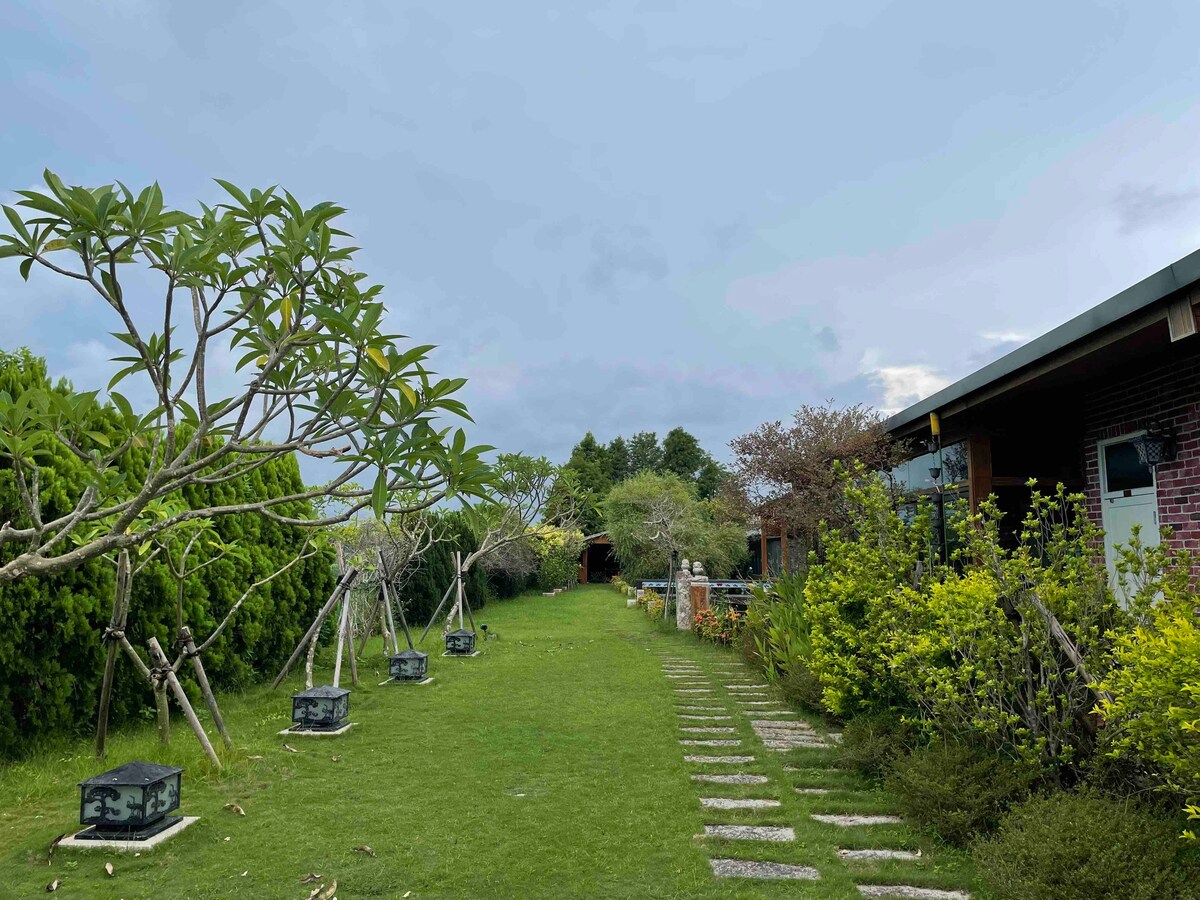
[546,767]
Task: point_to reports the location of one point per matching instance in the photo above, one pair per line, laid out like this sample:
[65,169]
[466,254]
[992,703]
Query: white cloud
[1005,337]
[902,386]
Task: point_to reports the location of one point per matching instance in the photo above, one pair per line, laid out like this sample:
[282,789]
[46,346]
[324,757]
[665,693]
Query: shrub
[722,626]
[1081,846]
[801,687]
[864,564]
[956,791]
[871,742]
[1154,708]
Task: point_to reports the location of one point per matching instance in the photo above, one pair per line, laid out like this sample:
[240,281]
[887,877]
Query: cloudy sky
[632,215]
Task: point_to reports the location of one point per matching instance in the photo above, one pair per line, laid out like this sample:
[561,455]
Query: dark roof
[1140,296]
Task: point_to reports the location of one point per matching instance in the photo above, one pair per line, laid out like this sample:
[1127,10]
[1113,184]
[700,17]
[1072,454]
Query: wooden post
[375,614]
[160,662]
[162,709]
[979,469]
[210,699]
[350,642]
[308,662]
[116,627]
[343,585]
[762,547]
[343,623]
[437,612]
[390,621]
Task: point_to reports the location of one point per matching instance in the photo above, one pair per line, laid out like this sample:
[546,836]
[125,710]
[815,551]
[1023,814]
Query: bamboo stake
[343,624]
[210,699]
[389,621]
[116,626]
[160,661]
[162,709]
[437,612]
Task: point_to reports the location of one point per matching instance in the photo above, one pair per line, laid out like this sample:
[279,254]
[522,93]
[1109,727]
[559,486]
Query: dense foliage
[51,657]
[649,516]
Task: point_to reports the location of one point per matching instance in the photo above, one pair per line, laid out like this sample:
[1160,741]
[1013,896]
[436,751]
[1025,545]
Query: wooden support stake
[210,699]
[160,661]
[350,642]
[343,585]
[162,710]
[389,621]
[116,626]
[376,614]
[343,623]
[437,612]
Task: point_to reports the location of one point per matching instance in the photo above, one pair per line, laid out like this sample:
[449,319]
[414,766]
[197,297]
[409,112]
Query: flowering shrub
[719,626]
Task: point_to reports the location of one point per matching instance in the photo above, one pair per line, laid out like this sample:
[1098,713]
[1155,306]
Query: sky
[636,215]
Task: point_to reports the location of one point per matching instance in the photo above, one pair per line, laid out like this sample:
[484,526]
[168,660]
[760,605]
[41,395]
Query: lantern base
[90,839]
[296,731]
[473,653]
[425,680]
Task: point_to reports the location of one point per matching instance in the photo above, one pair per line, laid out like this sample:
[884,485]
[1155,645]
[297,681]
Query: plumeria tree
[248,337]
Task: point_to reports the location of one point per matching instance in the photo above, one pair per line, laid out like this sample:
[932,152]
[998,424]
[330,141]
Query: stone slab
[748,687]
[907,892]
[737,803]
[724,742]
[73,842]
[853,821]
[745,868]
[707,729]
[705,709]
[879,854]
[772,712]
[287,732]
[706,718]
[762,703]
[773,725]
[693,690]
[774,833]
[719,759]
[732,779]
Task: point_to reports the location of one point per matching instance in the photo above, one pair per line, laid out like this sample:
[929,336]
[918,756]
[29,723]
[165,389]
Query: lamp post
[320,710]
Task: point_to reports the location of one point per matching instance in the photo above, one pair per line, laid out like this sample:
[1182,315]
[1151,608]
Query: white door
[1128,497]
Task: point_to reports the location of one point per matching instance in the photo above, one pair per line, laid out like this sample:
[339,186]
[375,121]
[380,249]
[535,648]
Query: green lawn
[549,766]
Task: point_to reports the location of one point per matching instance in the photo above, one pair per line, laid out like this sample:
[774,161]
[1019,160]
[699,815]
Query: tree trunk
[116,626]
[163,710]
[314,629]
[308,662]
[210,699]
[160,662]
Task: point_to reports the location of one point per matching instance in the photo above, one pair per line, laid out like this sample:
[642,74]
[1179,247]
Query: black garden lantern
[320,709]
[460,642]
[129,803]
[408,665]
[1154,448]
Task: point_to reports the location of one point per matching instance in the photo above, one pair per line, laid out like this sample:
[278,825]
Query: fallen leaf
[311,878]
[50,853]
[235,809]
[53,886]
[315,891]
[407,894]
[109,869]
[335,759]
[363,848]
[255,757]
[247,872]
[227,839]
[290,749]
[328,893]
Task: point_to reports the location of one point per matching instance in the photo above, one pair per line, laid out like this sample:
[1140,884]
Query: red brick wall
[1127,401]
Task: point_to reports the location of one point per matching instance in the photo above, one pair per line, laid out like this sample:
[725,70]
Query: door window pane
[1123,471]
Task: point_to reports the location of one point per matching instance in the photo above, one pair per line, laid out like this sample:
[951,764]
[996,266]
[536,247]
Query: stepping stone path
[745,868]
[850,821]
[739,803]
[904,892]
[779,729]
[732,779]
[774,833]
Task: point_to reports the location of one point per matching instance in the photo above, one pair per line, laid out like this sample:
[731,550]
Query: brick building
[1107,403]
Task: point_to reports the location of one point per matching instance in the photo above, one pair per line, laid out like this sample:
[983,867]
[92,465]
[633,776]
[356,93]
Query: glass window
[1123,471]
[913,475]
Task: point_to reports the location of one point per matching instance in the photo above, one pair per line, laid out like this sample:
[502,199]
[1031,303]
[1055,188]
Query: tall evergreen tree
[644,452]
[591,465]
[682,454]
[618,460]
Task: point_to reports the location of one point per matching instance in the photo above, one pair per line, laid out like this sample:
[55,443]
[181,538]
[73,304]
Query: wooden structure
[598,559]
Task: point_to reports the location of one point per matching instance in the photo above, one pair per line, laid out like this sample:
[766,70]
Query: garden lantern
[129,803]
[460,642]
[408,665]
[1154,448]
[320,709]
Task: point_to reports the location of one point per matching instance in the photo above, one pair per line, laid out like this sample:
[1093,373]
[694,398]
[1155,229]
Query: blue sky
[634,215]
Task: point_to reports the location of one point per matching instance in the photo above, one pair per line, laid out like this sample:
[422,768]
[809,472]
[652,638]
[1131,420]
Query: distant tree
[650,515]
[591,467]
[789,473]
[711,478]
[618,460]
[644,452]
[682,454]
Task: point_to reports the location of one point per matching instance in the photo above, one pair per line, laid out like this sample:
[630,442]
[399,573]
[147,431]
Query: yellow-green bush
[1154,713]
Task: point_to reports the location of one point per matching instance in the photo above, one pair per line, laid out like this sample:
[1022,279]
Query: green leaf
[379,494]
[25,267]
